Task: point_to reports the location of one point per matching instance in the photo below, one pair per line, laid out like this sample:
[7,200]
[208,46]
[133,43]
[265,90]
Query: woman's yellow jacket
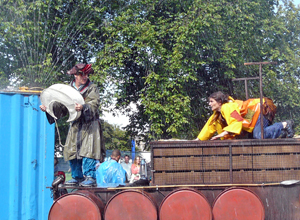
[239,115]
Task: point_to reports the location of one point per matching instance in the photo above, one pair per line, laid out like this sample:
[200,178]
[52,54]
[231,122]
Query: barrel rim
[241,188]
[87,194]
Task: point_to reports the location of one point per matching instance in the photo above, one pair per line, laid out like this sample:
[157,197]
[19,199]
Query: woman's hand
[219,135]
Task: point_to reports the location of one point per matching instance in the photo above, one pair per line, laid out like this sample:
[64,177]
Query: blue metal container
[26,157]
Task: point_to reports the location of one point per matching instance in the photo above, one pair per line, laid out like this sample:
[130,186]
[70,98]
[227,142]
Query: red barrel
[131,205]
[185,204]
[238,204]
[79,205]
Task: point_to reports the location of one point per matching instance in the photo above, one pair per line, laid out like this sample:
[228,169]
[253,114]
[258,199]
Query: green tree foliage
[116,138]
[41,39]
[284,48]
[167,57]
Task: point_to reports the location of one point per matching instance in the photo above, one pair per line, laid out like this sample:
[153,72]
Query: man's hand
[78,107]
[43,108]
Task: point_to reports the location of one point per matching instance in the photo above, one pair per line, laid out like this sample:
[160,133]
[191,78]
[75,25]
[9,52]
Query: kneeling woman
[226,119]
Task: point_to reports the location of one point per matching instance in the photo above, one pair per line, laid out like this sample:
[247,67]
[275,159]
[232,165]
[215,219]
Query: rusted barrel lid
[185,204]
[238,204]
[79,205]
[131,205]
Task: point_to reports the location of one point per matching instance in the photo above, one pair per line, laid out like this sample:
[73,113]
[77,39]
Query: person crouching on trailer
[226,119]
[231,116]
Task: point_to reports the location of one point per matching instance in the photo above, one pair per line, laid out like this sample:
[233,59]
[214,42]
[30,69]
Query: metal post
[132,149]
[246,89]
[246,85]
[261,102]
[261,92]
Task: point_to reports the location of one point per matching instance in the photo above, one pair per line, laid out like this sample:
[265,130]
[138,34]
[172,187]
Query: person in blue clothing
[111,173]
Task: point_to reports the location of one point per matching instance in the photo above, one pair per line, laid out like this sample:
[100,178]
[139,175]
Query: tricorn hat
[81,68]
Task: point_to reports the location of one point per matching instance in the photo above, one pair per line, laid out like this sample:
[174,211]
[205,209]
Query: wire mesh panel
[235,161]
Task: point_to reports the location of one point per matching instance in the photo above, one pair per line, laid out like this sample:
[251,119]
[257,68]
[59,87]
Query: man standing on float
[84,145]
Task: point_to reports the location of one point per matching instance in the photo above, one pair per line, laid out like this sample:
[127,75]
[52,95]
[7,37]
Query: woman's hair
[219,97]
[269,109]
[135,160]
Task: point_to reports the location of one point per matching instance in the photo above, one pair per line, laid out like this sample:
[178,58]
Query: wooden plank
[164,152]
[178,178]
[195,163]
[158,163]
[187,151]
[276,161]
[265,176]
[292,160]
[215,150]
[163,163]
[241,150]
[161,152]
[180,163]
[216,177]
[158,178]
[242,162]
[216,163]
[242,176]
[177,163]
[187,163]
[276,149]
[182,178]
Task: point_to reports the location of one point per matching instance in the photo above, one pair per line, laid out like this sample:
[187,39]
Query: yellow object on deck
[31,90]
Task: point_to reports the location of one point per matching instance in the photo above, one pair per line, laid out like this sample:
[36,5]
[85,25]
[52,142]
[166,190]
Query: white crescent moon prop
[65,95]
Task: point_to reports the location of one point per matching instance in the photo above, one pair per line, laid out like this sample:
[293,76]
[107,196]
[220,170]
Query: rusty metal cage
[235,161]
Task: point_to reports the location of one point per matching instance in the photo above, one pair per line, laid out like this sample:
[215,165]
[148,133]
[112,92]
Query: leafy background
[163,57]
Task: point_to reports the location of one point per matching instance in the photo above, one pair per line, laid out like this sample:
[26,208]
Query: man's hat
[81,68]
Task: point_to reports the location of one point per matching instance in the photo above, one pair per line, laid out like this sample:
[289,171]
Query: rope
[59,139]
